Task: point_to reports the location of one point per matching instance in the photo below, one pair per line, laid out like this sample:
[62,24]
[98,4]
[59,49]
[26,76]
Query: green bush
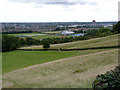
[116,28]
[110,79]
[46,44]
[10,43]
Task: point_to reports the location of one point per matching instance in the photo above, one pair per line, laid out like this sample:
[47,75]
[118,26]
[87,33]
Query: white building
[67,33]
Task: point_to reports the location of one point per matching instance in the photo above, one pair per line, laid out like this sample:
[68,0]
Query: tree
[10,43]
[116,28]
[22,42]
[30,41]
[46,44]
[57,29]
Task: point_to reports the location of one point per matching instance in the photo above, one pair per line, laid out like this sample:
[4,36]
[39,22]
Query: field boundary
[76,49]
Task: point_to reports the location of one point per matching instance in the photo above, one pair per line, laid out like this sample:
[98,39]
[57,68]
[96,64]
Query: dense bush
[31,41]
[99,33]
[116,28]
[110,79]
[64,39]
[10,43]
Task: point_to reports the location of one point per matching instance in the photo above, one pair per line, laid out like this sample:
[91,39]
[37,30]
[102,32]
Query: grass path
[78,71]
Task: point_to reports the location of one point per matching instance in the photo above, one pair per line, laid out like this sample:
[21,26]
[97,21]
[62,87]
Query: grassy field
[37,35]
[52,32]
[74,72]
[20,59]
[97,42]
[46,36]
[56,69]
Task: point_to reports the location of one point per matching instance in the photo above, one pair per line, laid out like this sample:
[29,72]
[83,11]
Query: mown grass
[46,36]
[52,32]
[18,59]
[74,72]
[39,35]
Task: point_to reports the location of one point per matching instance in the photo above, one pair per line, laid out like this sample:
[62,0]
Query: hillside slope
[78,71]
[111,40]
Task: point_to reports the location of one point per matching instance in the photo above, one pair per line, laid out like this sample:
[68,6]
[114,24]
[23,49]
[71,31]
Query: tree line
[15,32]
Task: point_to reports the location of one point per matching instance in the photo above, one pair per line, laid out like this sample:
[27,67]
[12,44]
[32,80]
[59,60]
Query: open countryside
[79,63]
[53,67]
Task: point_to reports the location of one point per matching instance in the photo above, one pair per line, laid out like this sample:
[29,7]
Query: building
[67,33]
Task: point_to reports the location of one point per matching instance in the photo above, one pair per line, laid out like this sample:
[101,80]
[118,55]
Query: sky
[58,10]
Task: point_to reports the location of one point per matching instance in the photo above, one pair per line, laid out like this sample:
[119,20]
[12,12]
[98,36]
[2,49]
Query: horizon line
[57,22]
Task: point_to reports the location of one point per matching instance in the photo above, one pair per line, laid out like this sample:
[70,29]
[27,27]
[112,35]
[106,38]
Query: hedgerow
[110,79]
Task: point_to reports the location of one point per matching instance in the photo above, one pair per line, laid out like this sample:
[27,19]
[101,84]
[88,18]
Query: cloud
[119,10]
[58,2]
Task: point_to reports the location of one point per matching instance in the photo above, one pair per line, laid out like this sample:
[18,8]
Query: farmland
[39,35]
[55,69]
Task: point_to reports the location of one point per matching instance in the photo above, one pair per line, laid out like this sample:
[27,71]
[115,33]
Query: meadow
[38,35]
[52,32]
[19,59]
[75,72]
[56,69]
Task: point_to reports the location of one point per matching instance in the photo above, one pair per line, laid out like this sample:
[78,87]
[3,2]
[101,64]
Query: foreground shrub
[110,79]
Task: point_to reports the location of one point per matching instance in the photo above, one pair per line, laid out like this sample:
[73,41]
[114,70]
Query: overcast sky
[58,10]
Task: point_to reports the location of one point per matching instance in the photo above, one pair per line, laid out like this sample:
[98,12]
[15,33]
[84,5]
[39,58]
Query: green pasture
[46,36]
[37,35]
[52,32]
[19,59]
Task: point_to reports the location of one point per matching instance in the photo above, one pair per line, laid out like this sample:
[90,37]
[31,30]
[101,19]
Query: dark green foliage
[10,43]
[80,31]
[110,79]
[14,32]
[46,44]
[57,29]
[31,41]
[116,28]
[99,33]
[22,42]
